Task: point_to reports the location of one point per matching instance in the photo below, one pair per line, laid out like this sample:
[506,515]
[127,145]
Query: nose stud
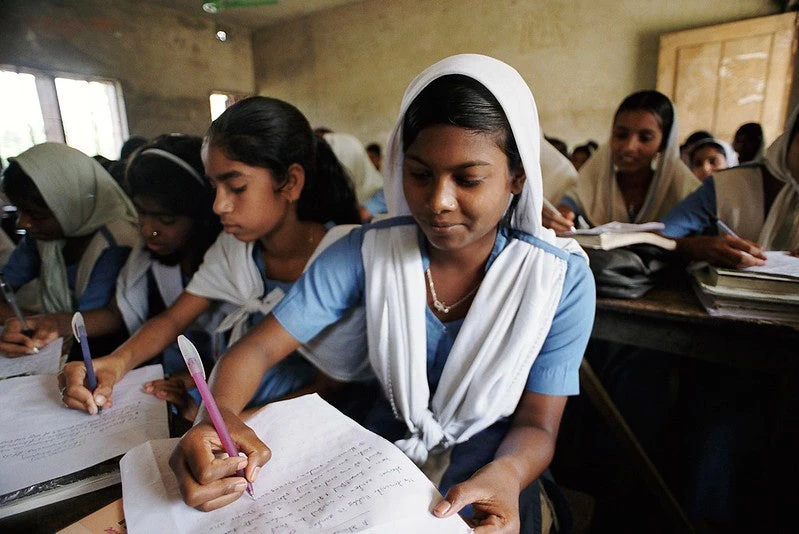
[154,234]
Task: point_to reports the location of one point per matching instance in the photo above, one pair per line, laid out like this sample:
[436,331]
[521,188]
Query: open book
[616,234]
[327,474]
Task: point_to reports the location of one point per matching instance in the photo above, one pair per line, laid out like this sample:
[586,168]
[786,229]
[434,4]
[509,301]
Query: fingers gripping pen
[195,365]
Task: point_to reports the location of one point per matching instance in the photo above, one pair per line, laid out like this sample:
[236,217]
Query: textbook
[49,453]
[327,474]
[780,276]
[616,234]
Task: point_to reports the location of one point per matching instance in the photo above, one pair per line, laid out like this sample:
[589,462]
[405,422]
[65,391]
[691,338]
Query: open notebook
[327,474]
[49,453]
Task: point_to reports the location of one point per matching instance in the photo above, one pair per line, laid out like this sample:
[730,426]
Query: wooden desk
[672,320]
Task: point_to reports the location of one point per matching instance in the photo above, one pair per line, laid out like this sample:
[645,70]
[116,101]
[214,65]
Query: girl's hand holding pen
[74,391]
[724,251]
[207,476]
[15,342]
[561,221]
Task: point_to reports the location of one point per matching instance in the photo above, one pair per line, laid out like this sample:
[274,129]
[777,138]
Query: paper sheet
[777,263]
[41,439]
[46,362]
[327,474]
[616,227]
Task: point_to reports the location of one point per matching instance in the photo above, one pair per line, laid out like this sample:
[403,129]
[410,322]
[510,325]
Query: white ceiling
[254,16]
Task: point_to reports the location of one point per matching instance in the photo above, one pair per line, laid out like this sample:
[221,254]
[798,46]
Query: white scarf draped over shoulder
[84,199]
[781,228]
[510,317]
[597,191]
[351,153]
[229,274]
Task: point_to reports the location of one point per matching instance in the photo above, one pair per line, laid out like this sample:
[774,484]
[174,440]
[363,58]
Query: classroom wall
[167,63]
[348,67]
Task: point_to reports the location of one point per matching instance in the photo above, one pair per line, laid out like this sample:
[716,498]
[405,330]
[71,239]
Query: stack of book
[769,292]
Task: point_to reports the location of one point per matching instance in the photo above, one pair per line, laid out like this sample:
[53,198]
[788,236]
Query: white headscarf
[781,229]
[598,193]
[84,198]
[351,153]
[510,317]
[729,154]
[558,175]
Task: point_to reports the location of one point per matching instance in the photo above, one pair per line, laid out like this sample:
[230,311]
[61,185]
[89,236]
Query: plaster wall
[348,67]
[167,62]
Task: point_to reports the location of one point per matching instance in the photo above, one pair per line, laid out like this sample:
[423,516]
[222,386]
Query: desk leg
[607,410]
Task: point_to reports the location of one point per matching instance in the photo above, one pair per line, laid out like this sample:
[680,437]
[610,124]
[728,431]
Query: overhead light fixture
[215,6]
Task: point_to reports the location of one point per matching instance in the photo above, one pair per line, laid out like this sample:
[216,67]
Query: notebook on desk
[616,234]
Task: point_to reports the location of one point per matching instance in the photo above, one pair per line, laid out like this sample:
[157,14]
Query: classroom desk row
[667,319]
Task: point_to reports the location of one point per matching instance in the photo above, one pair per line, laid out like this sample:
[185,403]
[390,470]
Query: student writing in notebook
[166,182]
[278,189]
[638,176]
[80,227]
[477,316]
[759,202]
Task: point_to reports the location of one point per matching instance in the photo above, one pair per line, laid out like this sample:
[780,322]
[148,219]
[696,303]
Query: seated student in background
[165,180]
[638,176]
[477,317]
[375,155]
[749,142]
[365,177]
[709,155]
[80,227]
[692,139]
[759,202]
[581,154]
[277,188]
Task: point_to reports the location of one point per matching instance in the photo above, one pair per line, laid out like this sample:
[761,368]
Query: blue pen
[79,329]
[724,228]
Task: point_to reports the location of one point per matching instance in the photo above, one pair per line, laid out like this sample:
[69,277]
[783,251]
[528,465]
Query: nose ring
[155,234]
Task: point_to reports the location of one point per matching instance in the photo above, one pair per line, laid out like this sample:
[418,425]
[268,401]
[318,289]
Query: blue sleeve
[556,371]
[332,285]
[377,203]
[103,280]
[24,263]
[695,215]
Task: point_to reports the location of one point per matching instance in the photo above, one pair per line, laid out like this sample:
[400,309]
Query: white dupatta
[598,194]
[781,228]
[509,319]
[229,274]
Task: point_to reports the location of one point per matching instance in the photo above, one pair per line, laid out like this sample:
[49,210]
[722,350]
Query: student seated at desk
[277,187]
[759,202]
[80,227]
[477,316]
[165,179]
[637,177]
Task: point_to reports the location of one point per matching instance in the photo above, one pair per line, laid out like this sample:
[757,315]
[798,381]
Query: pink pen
[195,365]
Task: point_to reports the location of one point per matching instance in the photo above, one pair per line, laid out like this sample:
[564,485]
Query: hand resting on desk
[14,343]
[208,479]
[723,251]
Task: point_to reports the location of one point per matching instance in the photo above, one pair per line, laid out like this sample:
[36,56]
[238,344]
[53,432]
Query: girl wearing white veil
[477,316]
[637,176]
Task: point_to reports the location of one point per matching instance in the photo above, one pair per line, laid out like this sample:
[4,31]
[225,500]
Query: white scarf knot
[237,320]
[429,436]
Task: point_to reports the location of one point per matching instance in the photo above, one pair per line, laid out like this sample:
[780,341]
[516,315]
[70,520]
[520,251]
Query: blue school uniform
[24,265]
[695,215]
[335,282]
